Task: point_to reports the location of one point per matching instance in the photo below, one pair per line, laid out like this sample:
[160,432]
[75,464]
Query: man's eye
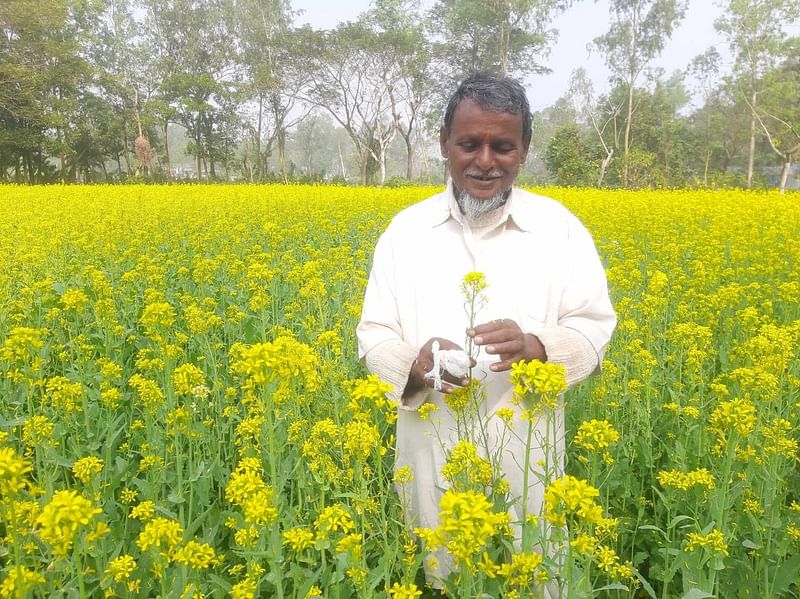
[468,146]
[503,149]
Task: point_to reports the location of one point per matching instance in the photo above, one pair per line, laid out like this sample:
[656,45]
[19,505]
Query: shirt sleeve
[391,361]
[380,321]
[380,339]
[578,334]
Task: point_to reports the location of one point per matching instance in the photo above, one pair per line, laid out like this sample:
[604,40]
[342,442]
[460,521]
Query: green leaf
[614,586]
[786,575]
[655,528]
[646,586]
[678,519]
[696,594]
[220,582]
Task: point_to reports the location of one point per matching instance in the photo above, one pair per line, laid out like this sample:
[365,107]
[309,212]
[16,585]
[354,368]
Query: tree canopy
[155,90]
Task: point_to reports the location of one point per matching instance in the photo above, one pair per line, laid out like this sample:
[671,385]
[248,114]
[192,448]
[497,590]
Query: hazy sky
[577,27]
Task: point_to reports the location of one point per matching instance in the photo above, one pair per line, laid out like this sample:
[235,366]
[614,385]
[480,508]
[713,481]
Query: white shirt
[542,271]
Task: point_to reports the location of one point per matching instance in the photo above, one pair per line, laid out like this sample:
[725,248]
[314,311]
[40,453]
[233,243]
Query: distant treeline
[223,90]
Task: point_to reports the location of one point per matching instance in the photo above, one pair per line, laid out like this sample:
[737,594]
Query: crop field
[183,413]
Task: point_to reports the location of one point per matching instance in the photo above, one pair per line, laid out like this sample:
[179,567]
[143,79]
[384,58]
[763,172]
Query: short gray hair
[495,93]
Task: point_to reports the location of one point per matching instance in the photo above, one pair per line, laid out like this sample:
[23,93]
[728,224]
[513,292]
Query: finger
[487,327]
[454,380]
[446,387]
[444,344]
[502,365]
[515,346]
[497,336]
[446,377]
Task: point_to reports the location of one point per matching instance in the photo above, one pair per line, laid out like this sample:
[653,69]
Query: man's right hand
[423,365]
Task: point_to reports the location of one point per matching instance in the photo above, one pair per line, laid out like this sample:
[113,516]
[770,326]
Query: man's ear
[443,137]
[527,145]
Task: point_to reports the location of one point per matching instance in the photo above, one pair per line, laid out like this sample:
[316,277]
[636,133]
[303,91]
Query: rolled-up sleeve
[380,340]
[578,335]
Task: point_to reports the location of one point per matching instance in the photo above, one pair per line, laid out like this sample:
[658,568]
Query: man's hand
[423,365]
[505,339]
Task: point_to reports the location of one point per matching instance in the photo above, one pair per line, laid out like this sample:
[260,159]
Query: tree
[778,114]
[25,46]
[664,133]
[570,159]
[126,74]
[43,75]
[600,115]
[505,36]
[705,69]
[349,72]
[756,32]
[638,33]
[196,62]
[272,83]
[399,25]
[501,35]
[546,123]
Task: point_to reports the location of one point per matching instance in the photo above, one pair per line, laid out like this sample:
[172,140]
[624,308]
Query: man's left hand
[505,339]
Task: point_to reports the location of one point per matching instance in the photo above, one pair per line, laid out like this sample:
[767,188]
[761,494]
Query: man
[546,299]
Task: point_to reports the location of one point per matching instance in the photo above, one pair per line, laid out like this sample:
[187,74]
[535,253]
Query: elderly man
[546,299]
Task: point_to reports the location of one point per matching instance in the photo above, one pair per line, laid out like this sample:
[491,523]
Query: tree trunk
[708,147]
[751,156]
[382,165]
[29,168]
[260,158]
[126,151]
[341,160]
[627,137]
[409,158]
[167,163]
[281,139]
[198,149]
[787,167]
[604,166]
[362,166]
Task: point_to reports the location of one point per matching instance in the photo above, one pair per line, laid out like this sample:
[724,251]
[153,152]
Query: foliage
[570,158]
[184,411]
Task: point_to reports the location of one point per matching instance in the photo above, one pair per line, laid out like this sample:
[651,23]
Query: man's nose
[485,158]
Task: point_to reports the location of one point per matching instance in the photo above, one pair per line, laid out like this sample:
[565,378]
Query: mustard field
[183,414]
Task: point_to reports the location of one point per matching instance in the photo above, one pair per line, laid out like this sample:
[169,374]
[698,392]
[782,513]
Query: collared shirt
[540,264]
[542,271]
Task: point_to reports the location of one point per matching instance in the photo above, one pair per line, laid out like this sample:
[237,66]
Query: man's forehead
[469,104]
[470,114]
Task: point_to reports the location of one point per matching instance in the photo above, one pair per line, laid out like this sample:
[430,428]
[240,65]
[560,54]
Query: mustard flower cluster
[684,481]
[86,468]
[714,542]
[537,385]
[467,522]
[248,491]
[597,436]
[465,469]
[571,498]
[61,520]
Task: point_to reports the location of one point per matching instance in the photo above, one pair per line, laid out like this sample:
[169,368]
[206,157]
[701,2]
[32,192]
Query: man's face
[485,149]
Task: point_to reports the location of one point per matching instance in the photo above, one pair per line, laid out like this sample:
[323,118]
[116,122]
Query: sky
[577,27]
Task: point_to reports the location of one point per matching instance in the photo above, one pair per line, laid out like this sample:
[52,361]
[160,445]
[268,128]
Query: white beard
[473,208]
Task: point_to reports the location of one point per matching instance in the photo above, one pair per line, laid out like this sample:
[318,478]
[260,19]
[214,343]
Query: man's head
[485,138]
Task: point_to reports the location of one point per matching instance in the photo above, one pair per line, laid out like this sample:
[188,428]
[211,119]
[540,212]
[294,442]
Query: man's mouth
[490,176]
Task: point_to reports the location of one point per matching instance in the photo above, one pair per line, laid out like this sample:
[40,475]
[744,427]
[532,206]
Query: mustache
[476,172]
